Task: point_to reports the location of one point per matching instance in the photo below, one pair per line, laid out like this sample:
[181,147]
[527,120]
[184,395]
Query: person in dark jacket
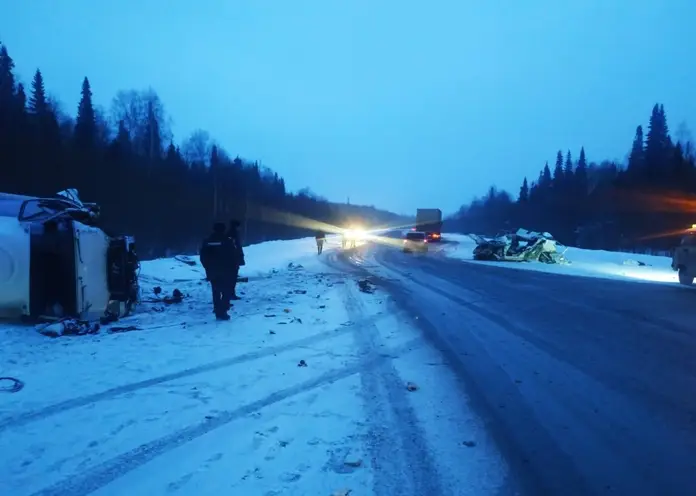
[237,258]
[217,255]
[321,238]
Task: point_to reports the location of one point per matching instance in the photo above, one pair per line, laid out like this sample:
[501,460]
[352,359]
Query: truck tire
[684,277]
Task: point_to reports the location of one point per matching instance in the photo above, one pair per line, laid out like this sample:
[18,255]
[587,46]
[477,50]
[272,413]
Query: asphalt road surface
[587,385]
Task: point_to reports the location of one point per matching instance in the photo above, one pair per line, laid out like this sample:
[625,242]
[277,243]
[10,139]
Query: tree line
[146,185]
[642,204]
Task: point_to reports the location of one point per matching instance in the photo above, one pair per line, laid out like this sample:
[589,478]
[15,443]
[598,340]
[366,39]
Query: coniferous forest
[644,204]
[167,195]
[125,160]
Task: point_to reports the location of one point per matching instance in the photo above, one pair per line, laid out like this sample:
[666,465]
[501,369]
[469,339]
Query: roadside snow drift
[587,263]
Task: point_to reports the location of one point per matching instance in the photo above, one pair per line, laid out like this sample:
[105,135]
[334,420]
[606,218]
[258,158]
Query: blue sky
[397,103]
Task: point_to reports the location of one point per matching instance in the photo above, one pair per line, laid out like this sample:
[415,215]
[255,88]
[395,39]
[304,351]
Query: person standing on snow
[321,238]
[217,254]
[238,258]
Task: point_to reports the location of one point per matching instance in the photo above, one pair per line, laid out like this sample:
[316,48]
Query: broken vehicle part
[520,246]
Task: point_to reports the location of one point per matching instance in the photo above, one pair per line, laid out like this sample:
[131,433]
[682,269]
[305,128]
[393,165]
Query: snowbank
[261,259]
[587,263]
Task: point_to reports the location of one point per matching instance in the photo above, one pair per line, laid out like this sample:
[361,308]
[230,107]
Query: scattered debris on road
[410,386]
[637,263]
[520,246]
[128,328]
[352,462]
[186,260]
[14,386]
[176,297]
[68,327]
[366,286]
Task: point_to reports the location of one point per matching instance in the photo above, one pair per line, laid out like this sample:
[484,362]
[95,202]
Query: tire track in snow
[24,418]
[408,467]
[102,474]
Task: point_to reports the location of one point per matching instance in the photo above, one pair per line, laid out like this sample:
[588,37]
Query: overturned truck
[55,262]
[520,246]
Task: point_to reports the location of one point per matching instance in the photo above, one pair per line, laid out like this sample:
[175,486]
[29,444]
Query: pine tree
[7,79]
[636,160]
[524,192]
[38,104]
[85,124]
[658,142]
[580,176]
[545,179]
[153,139]
[21,98]
[558,170]
[582,161]
[568,167]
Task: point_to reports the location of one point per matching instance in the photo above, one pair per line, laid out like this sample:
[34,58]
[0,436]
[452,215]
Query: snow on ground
[587,263]
[302,392]
[108,402]
[261,258]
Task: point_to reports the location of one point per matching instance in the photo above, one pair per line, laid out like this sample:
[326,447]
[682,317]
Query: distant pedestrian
[237,259]
[321,239]
[217,255]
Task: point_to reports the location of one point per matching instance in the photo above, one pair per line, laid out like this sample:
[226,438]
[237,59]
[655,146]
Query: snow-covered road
[313,387]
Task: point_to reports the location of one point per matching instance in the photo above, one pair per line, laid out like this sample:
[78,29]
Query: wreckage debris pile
[520,246]
[69,327]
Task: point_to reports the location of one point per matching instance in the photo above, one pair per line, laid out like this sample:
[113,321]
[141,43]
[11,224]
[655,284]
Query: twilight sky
[396,103]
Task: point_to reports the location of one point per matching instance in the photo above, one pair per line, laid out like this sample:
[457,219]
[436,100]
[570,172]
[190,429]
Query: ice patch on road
[586,263]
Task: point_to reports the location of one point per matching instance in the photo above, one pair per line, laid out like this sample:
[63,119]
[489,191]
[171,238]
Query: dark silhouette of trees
[166,195]
[641,205]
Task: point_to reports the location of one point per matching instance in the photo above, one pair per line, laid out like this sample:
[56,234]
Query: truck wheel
[684,277]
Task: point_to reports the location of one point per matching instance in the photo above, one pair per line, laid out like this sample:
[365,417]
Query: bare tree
[103,129]
[196,149]
[684,136]
[137,110]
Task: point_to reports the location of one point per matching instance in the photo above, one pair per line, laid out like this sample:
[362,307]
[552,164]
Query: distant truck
[429,221]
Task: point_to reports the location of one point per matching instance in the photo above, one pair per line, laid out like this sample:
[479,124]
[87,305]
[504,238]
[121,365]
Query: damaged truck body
[55,263]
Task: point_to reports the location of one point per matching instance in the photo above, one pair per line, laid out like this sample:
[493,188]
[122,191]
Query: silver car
[415,241]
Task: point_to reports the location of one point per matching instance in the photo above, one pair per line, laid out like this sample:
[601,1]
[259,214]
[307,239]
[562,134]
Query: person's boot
[229,307]
[222,316]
